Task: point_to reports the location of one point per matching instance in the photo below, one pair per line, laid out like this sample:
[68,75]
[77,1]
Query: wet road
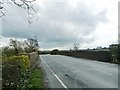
[68,72]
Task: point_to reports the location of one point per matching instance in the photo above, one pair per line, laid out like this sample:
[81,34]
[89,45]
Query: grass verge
[36,79]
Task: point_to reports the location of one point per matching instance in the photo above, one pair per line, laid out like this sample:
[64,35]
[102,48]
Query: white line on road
[54,74]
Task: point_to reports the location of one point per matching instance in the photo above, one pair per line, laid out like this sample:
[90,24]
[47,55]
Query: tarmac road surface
[69,72]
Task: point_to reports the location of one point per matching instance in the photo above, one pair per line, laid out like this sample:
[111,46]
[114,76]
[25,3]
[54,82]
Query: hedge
[16,71]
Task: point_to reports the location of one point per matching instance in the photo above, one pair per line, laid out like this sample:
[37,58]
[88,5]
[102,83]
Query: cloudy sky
[62,23]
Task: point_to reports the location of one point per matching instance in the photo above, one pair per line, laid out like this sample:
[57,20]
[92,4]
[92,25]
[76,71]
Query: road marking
[54,74]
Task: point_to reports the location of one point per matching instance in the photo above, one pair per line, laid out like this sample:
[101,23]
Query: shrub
[54,52]
[118,54]
[15,71]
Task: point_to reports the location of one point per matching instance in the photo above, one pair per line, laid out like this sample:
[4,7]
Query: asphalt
[67,72]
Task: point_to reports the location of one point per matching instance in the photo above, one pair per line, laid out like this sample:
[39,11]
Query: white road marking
[54,74]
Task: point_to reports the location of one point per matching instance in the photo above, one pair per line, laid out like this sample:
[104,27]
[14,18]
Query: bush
[15,71]
[118,54]
[54,52]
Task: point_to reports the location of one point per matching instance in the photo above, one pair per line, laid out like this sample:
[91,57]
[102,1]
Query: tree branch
[26,4]
[18,4]
[2,14]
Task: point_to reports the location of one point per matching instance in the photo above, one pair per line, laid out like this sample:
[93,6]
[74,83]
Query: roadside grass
[36,79]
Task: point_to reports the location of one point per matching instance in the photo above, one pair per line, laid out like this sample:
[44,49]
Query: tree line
[17,47]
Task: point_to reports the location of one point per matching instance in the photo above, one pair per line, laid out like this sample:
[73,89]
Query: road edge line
[55,74]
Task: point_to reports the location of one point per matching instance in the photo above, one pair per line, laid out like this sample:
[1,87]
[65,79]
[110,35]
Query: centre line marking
[54,74]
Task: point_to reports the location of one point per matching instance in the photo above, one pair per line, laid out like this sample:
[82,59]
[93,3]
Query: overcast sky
[61,23]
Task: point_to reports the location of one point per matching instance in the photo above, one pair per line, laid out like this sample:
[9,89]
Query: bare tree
[31,45]
[16,45]
[76,47]
[1,8]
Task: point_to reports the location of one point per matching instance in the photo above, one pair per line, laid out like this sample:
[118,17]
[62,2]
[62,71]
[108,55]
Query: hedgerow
[16,71]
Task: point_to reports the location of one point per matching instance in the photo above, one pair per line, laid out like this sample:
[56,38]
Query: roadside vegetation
[110,54]
[15,71]
[36,79]
[118,56]
[16,67]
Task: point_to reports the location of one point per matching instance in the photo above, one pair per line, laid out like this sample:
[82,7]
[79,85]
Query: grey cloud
[58,25]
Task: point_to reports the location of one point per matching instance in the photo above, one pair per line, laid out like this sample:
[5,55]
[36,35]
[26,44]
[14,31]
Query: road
[68,72]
